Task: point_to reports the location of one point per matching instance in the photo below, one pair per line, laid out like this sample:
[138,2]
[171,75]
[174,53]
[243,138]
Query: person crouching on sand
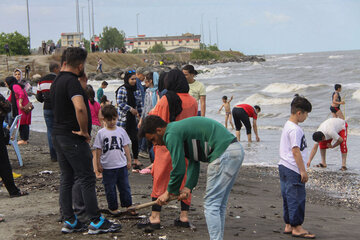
[292,169]
[226,105]
[243,113]
[332,129]
[200,139]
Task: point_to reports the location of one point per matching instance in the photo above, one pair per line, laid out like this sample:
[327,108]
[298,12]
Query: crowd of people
[164,119]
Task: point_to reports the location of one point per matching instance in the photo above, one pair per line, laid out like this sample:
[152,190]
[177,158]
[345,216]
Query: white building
[184,43]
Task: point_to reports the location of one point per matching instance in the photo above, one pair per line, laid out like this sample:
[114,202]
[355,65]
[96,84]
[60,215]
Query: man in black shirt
[72,125]
[43,95]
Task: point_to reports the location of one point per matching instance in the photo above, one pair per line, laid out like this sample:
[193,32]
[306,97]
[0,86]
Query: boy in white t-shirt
[114,160]
[292,170]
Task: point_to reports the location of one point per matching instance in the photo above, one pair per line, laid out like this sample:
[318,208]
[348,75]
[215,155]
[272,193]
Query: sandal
[136,167]
[320,165]
[179,223]
[146,223]
[343,168]
[306,235]
[19,194]
[132,213]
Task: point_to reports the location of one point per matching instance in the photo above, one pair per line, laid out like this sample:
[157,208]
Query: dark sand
[254,208]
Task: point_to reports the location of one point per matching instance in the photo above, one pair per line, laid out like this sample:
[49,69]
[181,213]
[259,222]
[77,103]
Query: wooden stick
[149,204]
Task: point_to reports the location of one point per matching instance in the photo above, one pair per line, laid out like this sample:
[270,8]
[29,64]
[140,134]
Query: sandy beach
[254,210]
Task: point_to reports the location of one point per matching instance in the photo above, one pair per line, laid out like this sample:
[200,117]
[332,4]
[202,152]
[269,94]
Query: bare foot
[288,229]
[22,142]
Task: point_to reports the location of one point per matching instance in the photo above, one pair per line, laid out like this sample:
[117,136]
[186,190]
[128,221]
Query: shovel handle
[149,204]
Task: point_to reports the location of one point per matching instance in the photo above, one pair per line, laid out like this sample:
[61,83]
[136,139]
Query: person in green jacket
[199,139]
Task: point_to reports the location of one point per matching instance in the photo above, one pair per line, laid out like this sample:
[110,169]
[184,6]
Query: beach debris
[172,206]
[163,237]
[45,172]
[237,217]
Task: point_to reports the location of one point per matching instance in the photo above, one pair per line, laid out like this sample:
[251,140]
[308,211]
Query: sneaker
[69,227]
[103,226]
[144,155]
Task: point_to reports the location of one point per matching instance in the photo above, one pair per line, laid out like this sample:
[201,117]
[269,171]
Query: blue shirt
[142,90]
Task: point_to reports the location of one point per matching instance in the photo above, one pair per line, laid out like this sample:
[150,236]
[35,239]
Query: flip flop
[146,223]
[304,235]
[320,165]
[343,168]
[287,232]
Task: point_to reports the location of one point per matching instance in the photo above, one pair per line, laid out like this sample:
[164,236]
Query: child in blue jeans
[114,160]
[292,170]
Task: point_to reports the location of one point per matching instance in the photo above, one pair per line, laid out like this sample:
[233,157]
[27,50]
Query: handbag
[28,108]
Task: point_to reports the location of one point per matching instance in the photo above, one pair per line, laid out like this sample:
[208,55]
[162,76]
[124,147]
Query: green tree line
[18,44]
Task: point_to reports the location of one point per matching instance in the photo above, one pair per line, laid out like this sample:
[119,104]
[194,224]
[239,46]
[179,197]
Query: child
[292,170]
[114,160]
[335,103]
[100,91]
[226,105]
[96,120]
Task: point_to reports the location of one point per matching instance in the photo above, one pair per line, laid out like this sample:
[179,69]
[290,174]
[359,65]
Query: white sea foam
[212,87]
[336,56]
[356,95]
[287,87]
[213,72]
[265,100]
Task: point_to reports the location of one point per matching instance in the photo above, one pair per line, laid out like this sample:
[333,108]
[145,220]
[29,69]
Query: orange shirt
[162,162]
[189,106]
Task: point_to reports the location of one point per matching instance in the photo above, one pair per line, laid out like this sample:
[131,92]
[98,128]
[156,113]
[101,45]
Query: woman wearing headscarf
[151,98]
[176,105]
[19,99]
[5,167]
[128,98]
[19,77]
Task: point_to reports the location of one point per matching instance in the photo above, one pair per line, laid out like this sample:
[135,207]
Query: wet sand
[254,209]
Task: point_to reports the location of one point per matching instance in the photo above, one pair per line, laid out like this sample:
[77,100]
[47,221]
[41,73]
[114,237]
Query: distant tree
[157,48]
[48,42]
[112,38]
[18,44]
[213,47]
[86,44]
[202,46]
[58,43]
[134,51]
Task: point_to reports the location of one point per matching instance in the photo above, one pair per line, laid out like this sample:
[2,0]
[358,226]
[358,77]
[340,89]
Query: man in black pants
[243,113]
[72,125]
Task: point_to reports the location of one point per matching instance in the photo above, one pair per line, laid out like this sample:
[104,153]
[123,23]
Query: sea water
[272,85]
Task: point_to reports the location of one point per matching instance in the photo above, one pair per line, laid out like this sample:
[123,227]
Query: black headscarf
[11,81]
[131,101]
[175,82]
[161,85]
[130,90]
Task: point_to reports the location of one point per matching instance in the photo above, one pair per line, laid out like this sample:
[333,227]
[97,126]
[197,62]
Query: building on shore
[185,43]
[73,39]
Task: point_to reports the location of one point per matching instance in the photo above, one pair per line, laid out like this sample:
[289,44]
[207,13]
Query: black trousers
[24,132]
[75,161]
[239,116]
[5,168]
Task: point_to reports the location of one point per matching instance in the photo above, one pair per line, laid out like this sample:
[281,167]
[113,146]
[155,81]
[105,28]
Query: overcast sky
[250,26]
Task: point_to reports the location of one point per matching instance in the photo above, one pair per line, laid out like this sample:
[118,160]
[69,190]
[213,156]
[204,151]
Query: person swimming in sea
[336,102]
[226,106]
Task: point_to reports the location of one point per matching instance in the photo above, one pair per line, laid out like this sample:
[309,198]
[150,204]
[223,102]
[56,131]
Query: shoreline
[254,209]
